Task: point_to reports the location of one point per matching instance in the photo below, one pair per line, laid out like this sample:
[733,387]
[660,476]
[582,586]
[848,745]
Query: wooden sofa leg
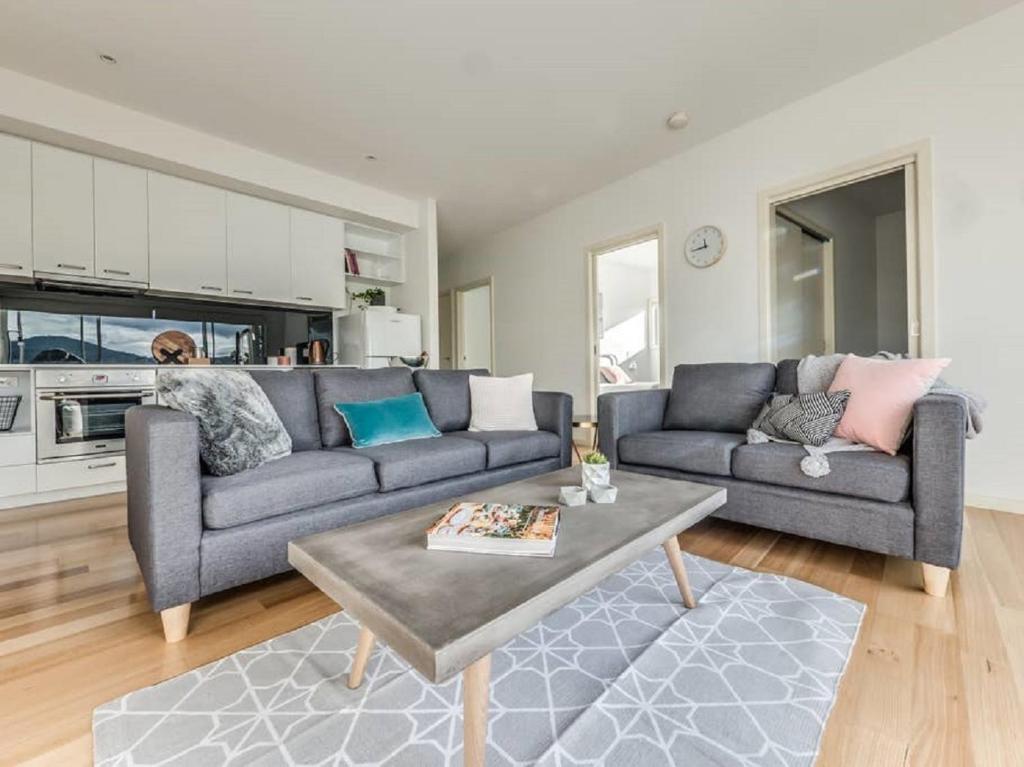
[175,620]
[936,579]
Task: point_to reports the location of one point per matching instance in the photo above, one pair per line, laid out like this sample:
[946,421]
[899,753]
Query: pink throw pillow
[882,397]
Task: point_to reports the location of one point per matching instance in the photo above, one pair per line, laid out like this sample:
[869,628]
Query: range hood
[87,286]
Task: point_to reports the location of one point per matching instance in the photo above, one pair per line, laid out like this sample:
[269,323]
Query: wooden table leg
[675,560]
[363,650]
[476,688]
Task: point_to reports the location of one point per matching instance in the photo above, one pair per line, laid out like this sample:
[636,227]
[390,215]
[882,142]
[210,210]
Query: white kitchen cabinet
[68,475]
[62,212]
[121,221]
[258,243]
[317,259]
[15,207]
[187,237]
[17,480]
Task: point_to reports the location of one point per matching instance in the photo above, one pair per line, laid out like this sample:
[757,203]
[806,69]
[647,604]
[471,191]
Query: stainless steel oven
[80,411]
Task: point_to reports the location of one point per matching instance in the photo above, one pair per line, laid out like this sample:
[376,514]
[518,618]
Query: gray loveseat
[195,534]
[909,505]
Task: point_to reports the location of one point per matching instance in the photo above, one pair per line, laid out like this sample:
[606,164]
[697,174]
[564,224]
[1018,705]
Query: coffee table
[444,612]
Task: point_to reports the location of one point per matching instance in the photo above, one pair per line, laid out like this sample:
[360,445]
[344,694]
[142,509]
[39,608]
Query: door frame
[916,162]
[827,267]
[457,307]
[447,296]
[655,232]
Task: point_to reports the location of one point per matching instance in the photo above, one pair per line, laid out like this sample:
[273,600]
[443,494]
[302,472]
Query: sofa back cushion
[785,377]
[291,393]
[725,396]
[446,394]
[354,385]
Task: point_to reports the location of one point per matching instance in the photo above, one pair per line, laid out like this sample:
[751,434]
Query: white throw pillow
[501,404]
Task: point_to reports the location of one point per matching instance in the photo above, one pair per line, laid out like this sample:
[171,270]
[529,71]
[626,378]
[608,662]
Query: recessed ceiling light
[106,58]
[370,157]
[678,120]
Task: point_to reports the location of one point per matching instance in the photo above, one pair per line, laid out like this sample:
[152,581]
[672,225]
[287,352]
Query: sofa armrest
[165,518]
[939,433]
[628,412]
[553,411]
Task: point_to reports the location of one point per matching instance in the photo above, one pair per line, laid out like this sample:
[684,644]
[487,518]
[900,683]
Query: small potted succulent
[595,469]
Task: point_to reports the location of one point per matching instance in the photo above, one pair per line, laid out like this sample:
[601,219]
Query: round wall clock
[705,246]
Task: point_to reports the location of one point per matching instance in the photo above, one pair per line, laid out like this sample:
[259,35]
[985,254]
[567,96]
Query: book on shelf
[351,262]
[496,528]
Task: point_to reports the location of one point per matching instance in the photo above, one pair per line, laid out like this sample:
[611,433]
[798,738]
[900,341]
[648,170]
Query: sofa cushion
[419,461]
[446,394]
[702,452]
[785,377]
[354,385]
[877,476]
[505,448]
[725,396]
[291,393]
[298,481]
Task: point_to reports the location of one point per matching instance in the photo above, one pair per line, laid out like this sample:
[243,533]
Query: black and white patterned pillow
[808,419]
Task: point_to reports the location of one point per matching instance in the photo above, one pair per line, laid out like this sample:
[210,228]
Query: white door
[62,212]
[259,249]
[15,207]
[474,331]
[317,259]
[187,251]
[122,222]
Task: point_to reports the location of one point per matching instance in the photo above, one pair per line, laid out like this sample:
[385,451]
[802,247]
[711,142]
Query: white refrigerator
[370,337]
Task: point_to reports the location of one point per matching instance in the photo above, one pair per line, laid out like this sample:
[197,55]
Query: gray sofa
[909,505]
[196,534]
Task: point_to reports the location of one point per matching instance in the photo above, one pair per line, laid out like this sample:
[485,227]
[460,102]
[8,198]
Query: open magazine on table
[496,528]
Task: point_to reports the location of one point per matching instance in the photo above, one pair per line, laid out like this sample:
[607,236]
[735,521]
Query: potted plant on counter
[595,469]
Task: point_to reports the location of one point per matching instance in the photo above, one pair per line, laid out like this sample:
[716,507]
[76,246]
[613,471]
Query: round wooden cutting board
[173,347]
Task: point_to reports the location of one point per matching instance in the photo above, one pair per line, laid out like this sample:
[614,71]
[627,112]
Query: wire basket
[8,409]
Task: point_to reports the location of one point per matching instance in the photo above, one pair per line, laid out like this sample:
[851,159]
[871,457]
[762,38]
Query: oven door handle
[105,395]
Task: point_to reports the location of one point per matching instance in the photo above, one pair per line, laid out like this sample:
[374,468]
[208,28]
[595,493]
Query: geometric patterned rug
[624,675]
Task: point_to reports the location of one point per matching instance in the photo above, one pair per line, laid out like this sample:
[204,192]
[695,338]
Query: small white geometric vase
[603,493]
[595,474]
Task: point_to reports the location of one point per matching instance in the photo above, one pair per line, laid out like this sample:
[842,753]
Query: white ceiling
[498,108]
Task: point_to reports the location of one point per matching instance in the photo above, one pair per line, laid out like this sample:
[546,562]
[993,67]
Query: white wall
[418,295]
[962,92]
[891,274]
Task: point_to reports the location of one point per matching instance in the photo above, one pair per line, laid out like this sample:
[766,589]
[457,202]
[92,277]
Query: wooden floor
[932,681]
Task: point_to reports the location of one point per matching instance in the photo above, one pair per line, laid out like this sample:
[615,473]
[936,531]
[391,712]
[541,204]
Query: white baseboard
[56,496]
[995,503]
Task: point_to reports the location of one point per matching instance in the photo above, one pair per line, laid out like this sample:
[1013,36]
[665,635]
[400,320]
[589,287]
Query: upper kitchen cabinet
[187,242]
[318,259]
[258,244]
[62,212]
[121,220]
[15,207]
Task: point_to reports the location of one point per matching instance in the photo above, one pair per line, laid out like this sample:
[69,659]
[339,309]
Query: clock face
[705,246]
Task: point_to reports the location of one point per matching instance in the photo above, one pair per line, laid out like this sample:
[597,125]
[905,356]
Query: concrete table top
[442,611]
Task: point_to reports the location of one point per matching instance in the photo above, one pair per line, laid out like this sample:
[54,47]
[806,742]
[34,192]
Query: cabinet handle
[243,292]
[211,287]
[117,271]
[76,267]
[101,465]
[11,266]
[303,298]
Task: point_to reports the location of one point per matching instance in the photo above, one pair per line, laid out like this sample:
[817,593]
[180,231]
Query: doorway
[846,261]
[474,325]
[625,308]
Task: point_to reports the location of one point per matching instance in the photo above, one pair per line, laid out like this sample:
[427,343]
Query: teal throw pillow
[383,421]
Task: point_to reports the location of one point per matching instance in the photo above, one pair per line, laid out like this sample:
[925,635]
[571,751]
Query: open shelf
[382,281]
